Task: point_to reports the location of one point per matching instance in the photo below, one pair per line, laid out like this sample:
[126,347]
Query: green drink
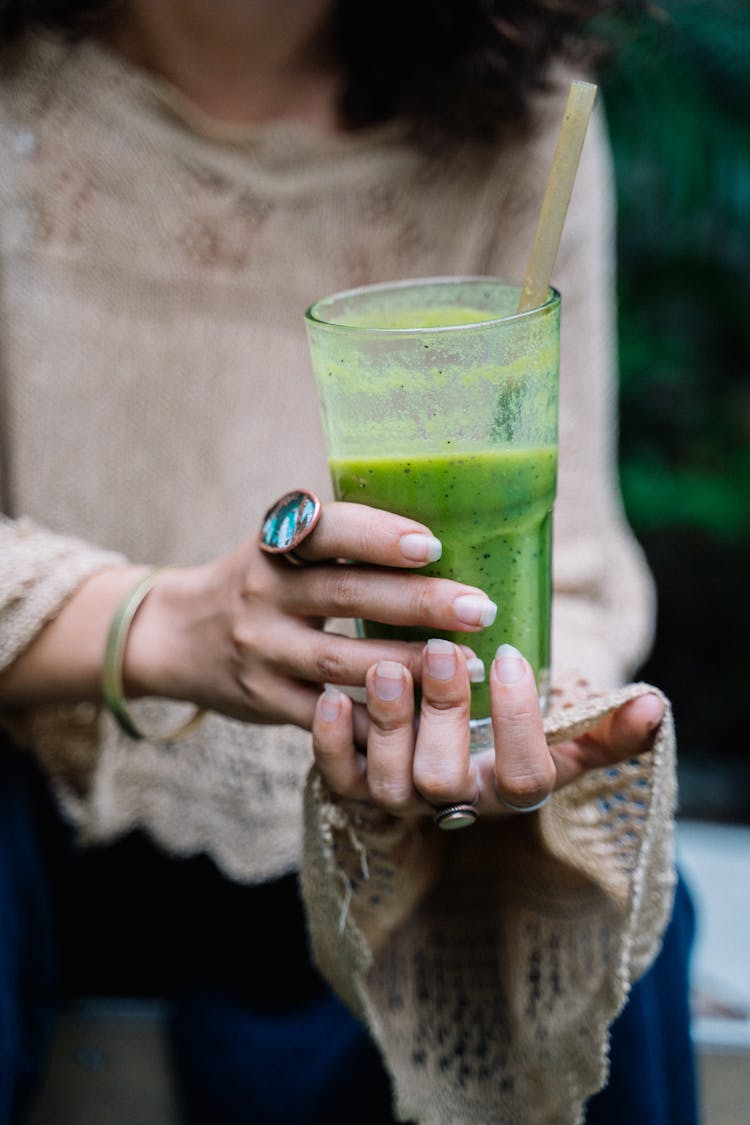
[440,402]
[493,513]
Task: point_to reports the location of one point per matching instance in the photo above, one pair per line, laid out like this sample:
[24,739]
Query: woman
[181,183]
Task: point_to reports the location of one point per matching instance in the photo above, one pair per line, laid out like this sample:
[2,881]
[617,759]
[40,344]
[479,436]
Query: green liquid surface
[442,316]
[492,512]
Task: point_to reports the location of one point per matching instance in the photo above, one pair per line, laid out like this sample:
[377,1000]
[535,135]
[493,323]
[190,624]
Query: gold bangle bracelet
[114,653]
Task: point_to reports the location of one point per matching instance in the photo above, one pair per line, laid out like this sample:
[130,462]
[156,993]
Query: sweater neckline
[87,61]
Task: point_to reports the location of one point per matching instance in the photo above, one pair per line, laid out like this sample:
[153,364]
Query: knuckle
[330,667]
[253,587]
[369,539]
[243,637]
[518,723]
[420,598]
[388,726]
[344,590]
[252,697]
[257,580]
[528,787]
[453,701]
[439,788]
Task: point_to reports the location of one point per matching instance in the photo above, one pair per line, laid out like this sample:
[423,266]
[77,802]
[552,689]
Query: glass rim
[312,316]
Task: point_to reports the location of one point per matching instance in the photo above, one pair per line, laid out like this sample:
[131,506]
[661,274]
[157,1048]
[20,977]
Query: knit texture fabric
[156,395]
[488,963]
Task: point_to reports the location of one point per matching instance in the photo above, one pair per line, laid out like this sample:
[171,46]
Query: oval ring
[288,523]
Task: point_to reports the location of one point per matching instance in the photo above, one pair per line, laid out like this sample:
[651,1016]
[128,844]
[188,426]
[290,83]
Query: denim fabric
[652,1078]
[311,1065]
[34,873]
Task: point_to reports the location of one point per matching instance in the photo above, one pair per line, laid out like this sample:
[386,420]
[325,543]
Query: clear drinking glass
[440,402]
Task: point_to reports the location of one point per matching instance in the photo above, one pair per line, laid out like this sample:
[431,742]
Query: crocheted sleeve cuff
[489,964]
[39,571]
[363,873]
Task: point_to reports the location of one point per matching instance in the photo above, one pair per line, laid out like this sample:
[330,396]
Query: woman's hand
[243,634]
[409,772]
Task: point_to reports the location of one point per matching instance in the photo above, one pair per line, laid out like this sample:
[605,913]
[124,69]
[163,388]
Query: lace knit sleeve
[39,571]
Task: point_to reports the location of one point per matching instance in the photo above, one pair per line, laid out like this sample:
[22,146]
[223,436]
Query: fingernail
[509,665]
[657,710]
[388,680]
[475,609]
[475,668]
[421,548]
[330,705]
[441,659]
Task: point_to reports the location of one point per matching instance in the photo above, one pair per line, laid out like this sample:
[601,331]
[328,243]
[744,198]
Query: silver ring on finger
[288,523]
[461,814]
[524,808]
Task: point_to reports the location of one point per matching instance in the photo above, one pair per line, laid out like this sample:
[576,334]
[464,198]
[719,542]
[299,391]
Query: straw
[557,195]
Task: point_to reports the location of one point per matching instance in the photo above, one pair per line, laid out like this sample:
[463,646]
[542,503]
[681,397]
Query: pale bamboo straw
[557,195]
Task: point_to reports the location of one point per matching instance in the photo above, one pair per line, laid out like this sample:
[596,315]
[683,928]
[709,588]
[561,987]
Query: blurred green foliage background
[676,90]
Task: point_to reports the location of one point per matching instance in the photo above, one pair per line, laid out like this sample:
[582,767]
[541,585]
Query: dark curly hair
[452,67]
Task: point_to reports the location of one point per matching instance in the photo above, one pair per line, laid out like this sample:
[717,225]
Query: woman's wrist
[63,663]
[113,685]
[156,659]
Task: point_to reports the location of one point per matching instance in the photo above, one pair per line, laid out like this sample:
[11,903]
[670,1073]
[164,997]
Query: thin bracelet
[114,652]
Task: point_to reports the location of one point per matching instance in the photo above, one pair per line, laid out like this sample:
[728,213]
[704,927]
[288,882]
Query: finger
[474,665]
[364,534]
[443,770]
[390,742]
[524,768]
[629,730]
[267,697]
[342,767]
[388,596]
[620,735]
[309,654]
[330,658]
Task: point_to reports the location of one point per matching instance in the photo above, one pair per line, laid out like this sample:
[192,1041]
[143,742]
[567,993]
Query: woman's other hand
[409,770]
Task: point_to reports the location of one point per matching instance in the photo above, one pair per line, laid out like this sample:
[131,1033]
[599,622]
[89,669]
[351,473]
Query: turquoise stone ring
[287,524]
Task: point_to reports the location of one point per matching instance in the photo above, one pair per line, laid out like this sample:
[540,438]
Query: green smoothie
[492,511]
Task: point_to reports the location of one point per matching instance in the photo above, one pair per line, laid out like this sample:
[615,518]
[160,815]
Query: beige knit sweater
[156,395]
